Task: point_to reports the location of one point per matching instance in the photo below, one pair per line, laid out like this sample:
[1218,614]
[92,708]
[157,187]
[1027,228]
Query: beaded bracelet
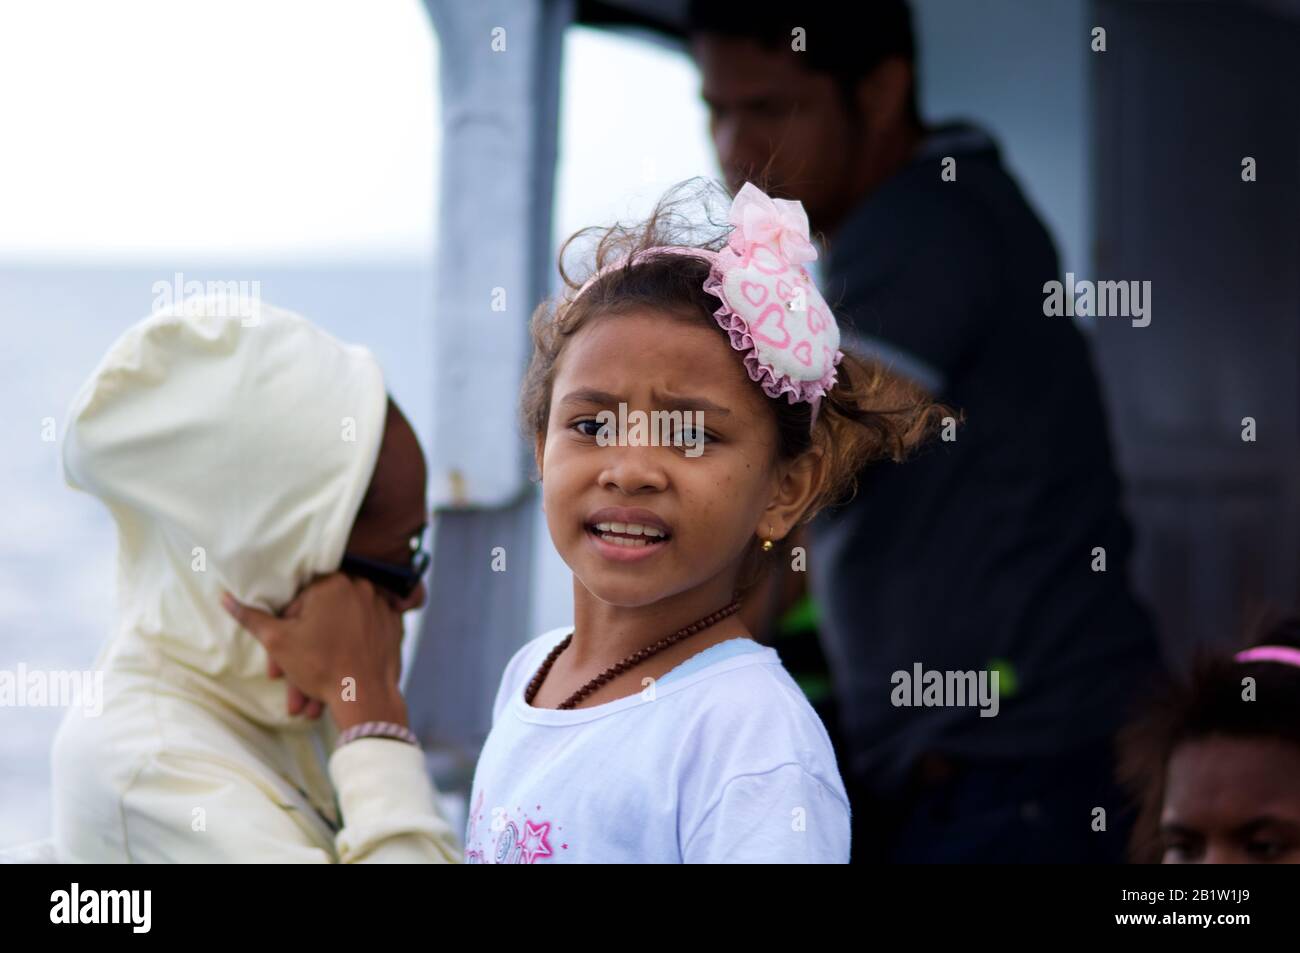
[377,729]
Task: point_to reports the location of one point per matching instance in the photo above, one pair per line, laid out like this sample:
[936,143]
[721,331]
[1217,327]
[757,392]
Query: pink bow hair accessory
[769,306]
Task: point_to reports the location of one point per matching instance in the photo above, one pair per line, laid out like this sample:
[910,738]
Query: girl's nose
[634,469]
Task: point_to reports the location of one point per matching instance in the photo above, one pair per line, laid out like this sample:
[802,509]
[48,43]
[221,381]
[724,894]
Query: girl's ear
[799,482]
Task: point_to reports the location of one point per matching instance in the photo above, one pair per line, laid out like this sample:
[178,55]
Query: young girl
[1215,761]
[655,729]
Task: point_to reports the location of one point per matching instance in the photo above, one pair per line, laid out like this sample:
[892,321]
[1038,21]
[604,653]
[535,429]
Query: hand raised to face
[339,641]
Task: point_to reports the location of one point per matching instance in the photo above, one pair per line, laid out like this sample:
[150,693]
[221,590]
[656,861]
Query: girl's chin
[630,585]
[627,592]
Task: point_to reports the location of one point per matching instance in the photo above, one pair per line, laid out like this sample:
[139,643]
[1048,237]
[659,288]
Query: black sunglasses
[397,579]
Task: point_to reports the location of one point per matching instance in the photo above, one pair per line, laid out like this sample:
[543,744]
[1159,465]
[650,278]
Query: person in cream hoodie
[241,449]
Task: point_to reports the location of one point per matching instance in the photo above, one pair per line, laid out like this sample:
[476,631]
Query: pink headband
[1270,653]
[770,307]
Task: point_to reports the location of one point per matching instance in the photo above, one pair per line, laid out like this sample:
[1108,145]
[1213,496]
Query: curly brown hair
[869,415]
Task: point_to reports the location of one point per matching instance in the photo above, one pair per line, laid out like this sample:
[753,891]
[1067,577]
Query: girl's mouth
[627,541]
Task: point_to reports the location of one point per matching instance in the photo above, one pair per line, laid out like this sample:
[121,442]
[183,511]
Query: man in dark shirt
[986,552]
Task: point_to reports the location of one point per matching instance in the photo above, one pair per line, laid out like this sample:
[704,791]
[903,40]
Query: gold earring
[767,543]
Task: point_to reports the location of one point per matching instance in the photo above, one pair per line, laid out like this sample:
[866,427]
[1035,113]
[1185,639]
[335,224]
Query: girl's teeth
[631,529]
[624,541]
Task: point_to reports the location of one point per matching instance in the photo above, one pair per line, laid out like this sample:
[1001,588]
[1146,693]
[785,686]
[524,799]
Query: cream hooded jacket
[233,445]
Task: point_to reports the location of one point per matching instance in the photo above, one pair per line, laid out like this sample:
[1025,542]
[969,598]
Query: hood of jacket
[232,443]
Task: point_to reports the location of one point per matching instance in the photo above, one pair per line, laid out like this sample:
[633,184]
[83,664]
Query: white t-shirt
[721,760]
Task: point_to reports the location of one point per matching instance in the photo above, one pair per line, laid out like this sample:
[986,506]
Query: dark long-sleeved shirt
[979,553]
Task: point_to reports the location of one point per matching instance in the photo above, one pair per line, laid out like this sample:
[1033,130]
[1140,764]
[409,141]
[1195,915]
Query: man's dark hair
[848,41]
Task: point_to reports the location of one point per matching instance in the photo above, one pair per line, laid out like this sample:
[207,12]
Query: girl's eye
[686,437]
[1266,850]
[1179,851]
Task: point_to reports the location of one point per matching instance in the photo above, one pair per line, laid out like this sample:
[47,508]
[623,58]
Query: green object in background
[1007,682]
[795,638]
[817,688]
[800,617]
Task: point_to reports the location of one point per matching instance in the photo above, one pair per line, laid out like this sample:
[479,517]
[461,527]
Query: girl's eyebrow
[589,395]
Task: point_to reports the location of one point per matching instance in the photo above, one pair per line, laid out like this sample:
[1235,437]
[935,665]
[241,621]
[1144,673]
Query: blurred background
[300,145]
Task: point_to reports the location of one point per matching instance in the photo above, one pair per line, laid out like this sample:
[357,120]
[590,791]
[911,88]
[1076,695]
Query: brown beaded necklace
[636,658]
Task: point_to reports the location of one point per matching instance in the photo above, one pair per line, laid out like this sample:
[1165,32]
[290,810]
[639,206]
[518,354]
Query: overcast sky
[286,129]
